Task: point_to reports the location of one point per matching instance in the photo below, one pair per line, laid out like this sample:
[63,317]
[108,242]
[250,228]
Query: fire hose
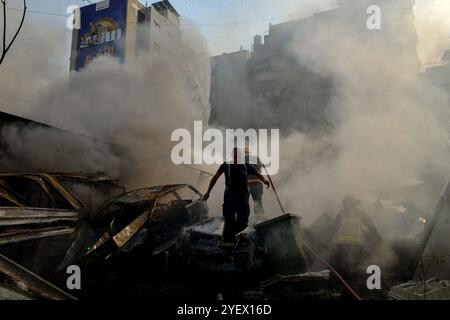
[274,189]
[338,276]
[332,270]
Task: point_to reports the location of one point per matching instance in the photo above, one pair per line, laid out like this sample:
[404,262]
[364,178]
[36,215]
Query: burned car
[162,210]
[93,189]
[142,220]
[47,210]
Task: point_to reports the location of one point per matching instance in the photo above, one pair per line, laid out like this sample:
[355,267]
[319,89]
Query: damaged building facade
[437,75]
[19,135]
[163,242]
[276,84]
[126,30]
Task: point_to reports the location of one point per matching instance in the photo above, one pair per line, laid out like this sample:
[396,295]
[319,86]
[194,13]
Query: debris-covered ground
[161,242]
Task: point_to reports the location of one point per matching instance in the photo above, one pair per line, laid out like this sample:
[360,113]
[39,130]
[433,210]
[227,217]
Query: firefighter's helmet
[349,200]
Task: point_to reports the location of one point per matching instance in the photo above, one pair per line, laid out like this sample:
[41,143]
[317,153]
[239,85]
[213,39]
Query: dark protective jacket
[351,222]
[236,179]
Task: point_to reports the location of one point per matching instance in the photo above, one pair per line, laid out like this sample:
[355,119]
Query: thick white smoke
[135,105]
[385,119]
[385,123]
[433,28]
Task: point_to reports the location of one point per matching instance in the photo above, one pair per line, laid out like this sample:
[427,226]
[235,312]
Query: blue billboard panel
[102,31]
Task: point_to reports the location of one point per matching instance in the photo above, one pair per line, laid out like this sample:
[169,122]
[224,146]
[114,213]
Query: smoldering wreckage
[161,242]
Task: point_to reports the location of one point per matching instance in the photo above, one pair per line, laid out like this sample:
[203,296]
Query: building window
[157,26]
[141,17]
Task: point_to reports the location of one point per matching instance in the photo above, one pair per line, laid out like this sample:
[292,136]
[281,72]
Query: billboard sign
[102,31]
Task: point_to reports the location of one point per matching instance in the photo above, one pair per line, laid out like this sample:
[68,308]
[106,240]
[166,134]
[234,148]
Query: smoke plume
[135,105]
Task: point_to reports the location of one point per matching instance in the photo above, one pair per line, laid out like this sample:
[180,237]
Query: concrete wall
[285,92]
[230,92]
[131,28]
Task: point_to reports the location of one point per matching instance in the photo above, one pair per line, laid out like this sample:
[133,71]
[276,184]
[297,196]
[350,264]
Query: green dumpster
[281,237]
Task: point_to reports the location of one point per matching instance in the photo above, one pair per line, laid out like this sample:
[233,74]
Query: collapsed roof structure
[434,252]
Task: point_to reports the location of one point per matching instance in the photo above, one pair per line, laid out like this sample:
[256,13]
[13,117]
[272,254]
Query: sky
[39,61]
[226,24]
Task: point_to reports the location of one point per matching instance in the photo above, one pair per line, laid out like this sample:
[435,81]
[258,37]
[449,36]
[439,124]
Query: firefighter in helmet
[355,234]
[235,205]
[255,185]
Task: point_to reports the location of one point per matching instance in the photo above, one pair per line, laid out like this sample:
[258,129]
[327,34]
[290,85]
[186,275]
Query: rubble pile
[160,242]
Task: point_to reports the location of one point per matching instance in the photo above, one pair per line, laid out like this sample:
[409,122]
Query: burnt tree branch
[5,47]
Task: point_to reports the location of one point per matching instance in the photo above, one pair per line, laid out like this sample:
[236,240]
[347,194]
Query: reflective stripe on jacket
[351,231]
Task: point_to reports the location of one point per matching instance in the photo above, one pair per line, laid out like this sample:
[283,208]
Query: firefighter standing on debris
[236,209]
[255,185]
[352,240]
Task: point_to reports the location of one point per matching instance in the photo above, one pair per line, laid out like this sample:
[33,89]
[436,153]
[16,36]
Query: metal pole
[34,283]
